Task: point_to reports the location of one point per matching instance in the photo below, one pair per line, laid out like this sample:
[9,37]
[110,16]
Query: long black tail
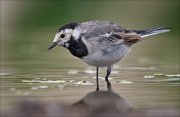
[153,31]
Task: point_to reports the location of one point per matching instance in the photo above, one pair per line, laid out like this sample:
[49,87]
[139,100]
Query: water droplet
[149,76]
[43,87]
[158,74]
[89,71]
[4,74]
[169,80]
[53,81]
[125,82]
[72,71]
[72,81]
[39,87]
[43,81]
[172,75]
[86,83]
[103,78]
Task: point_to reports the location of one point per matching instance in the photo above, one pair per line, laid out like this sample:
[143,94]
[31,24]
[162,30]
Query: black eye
[62,35]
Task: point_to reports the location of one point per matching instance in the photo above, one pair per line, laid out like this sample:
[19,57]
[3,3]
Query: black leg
[106,78]
[97,89]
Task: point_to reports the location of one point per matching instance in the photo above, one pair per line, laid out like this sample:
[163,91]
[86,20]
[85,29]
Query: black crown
[72,25]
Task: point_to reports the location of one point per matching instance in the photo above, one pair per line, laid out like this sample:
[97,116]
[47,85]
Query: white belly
[101,59]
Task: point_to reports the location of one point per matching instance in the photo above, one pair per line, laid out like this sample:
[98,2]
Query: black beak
[52,46]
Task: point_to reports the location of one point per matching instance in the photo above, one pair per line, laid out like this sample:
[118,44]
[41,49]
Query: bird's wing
[122,36]
[111,32]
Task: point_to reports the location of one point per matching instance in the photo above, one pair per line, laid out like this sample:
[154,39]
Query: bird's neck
[77,47]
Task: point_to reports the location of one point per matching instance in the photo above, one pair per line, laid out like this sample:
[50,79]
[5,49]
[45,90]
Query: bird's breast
[103,57]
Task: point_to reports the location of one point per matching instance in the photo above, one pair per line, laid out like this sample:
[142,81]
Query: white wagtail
[100,43]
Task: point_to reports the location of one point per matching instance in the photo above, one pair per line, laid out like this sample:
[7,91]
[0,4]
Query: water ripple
[43,81]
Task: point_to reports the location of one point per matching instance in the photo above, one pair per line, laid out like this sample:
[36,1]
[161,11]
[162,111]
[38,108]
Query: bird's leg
[97,89]
[106,78]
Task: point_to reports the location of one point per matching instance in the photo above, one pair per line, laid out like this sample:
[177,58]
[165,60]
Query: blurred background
[148,77]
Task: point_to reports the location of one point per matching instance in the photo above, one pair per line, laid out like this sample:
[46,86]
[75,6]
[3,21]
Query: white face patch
[76,34]
[56,38]
[66,35]
[62,37]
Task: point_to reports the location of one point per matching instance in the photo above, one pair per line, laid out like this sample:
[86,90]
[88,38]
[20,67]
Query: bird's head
[63,35]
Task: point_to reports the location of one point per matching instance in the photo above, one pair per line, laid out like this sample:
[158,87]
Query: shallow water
[143,87]
[148,77]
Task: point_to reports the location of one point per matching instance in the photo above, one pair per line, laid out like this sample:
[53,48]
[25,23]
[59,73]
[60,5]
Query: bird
[100,43]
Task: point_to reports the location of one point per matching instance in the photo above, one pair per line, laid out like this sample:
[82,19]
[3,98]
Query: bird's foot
[109,87]
[97,89]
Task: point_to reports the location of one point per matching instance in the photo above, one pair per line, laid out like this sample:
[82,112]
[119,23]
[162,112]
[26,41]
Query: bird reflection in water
[94,104]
